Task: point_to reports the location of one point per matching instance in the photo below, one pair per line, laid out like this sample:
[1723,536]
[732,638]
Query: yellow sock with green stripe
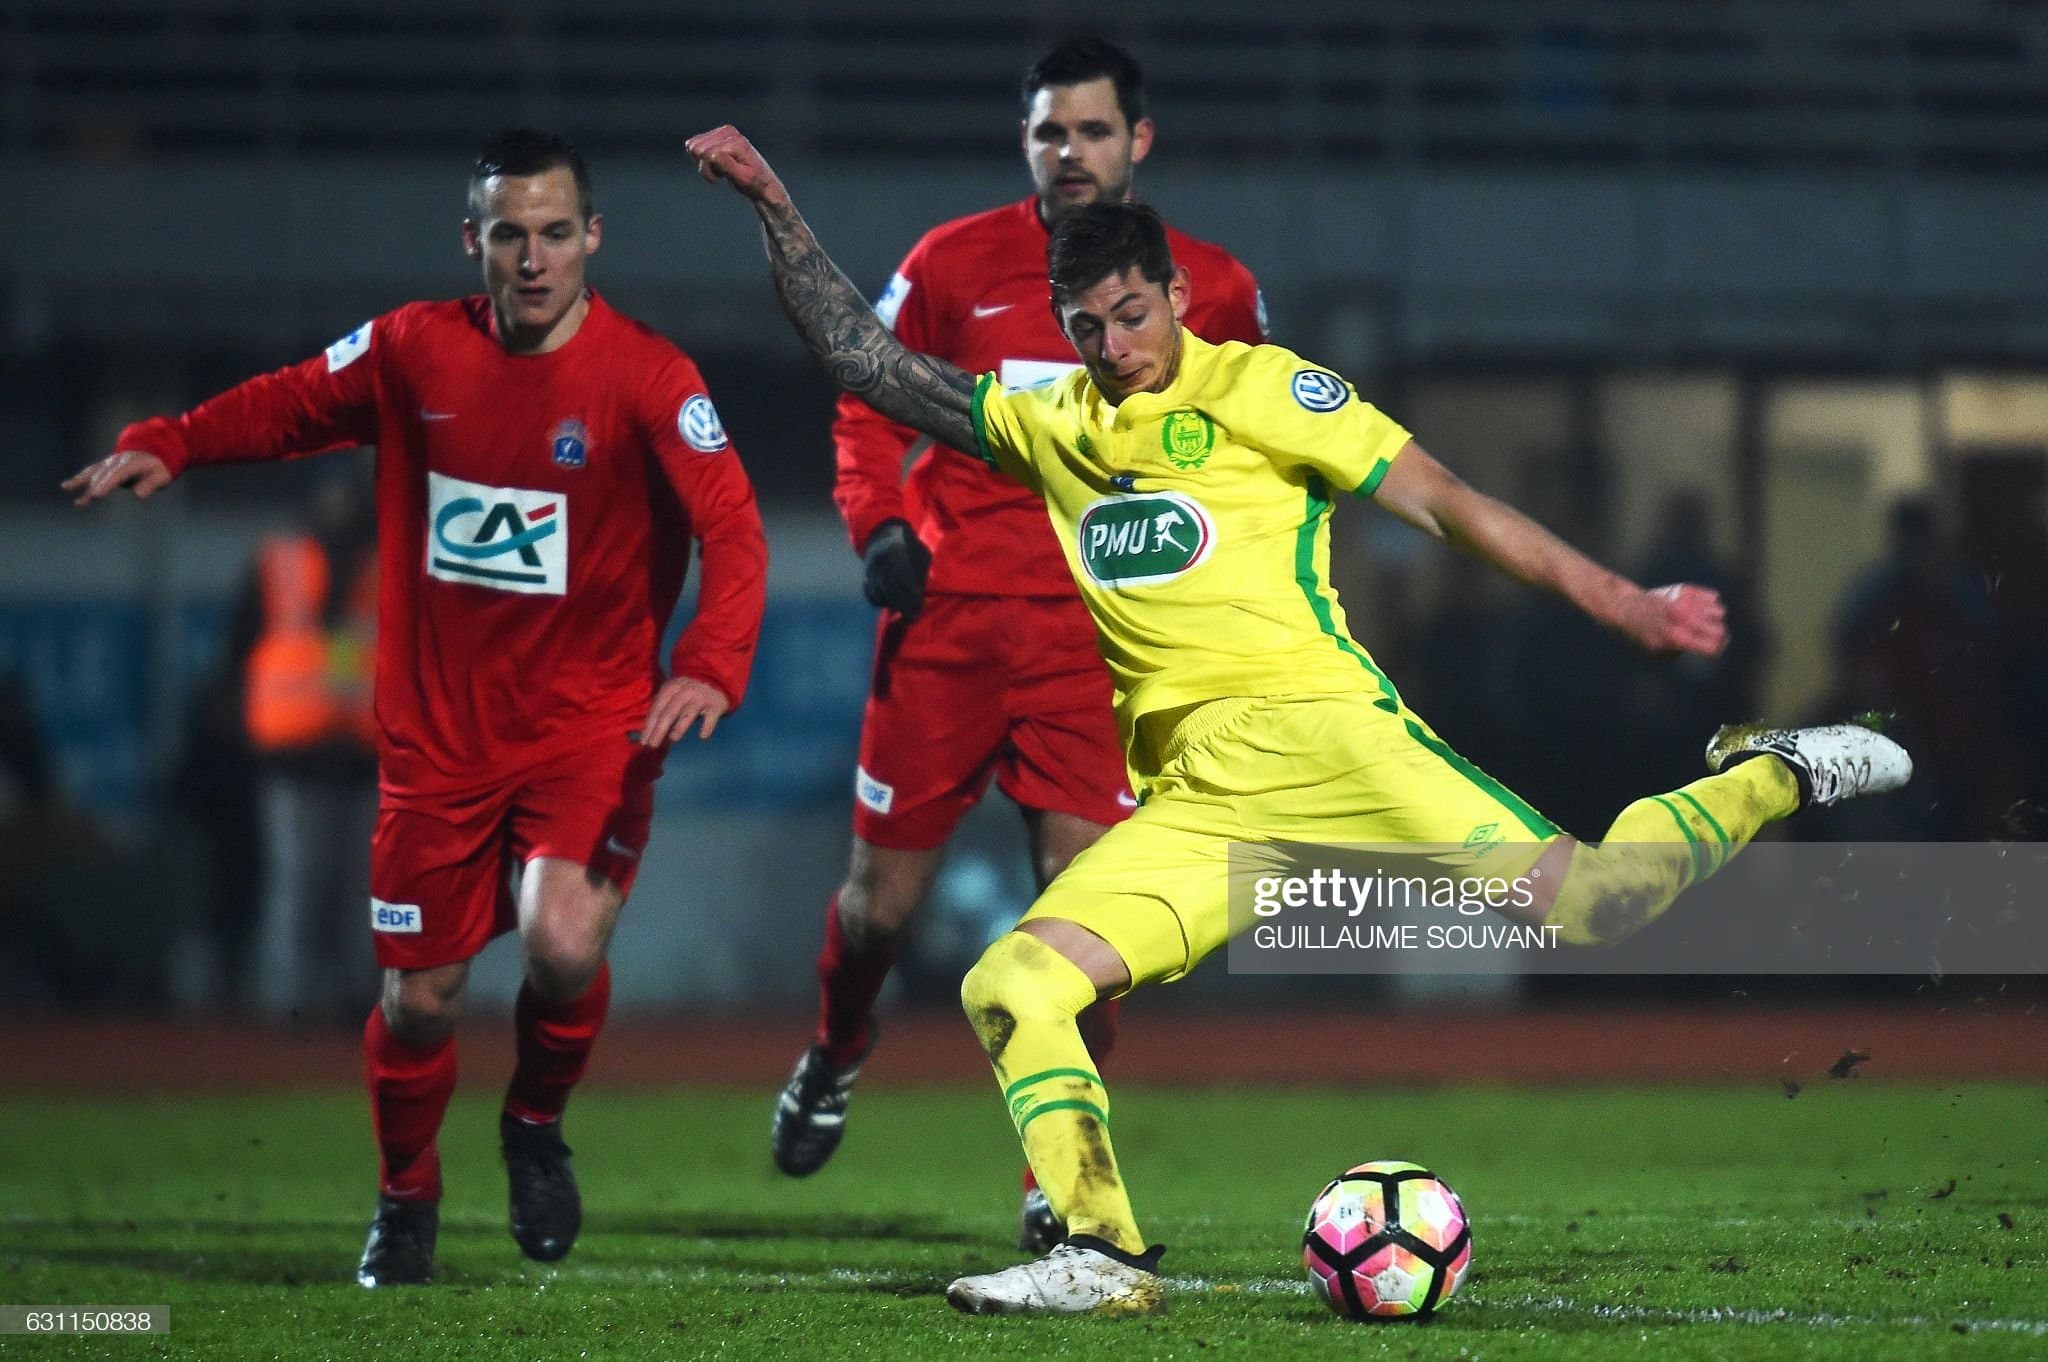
[1660,846]
[1022,998]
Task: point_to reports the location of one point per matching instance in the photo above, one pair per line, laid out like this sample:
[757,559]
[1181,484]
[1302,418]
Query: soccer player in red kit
[543,464]
[985,660]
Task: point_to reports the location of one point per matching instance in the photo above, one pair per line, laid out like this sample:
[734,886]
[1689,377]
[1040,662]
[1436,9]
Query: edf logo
[394,917]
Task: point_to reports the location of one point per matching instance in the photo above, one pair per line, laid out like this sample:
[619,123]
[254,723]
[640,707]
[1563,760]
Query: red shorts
[1009,686]
[441,878]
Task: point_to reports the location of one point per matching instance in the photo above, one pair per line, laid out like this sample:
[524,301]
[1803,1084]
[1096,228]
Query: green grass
[1858,1221]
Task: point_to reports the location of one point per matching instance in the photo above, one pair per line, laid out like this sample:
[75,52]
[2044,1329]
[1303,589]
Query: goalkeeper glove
[893,568]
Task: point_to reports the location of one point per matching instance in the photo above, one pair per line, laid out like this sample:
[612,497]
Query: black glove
[893,568]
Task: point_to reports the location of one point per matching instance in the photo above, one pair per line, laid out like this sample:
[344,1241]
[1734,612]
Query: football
[1386,1240]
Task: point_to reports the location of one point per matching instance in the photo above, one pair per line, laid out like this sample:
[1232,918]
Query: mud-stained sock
[1022,998]
[1663,845]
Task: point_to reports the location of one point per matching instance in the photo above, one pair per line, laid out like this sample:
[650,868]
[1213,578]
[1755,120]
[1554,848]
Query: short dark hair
[1097,240]
[1081,59]
[524,151]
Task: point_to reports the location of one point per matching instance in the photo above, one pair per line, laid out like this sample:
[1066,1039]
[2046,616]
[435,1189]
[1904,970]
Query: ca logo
[506,538]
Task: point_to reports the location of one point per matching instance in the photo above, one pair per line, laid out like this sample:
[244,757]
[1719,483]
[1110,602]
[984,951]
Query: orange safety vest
[305,683]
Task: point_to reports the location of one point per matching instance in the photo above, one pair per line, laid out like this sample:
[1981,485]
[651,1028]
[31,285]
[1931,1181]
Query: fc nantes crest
[1187,436]
[1136,540]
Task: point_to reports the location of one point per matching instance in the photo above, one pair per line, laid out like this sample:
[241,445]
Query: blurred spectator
[2004,503]
[1916,638]
[304,639]
[1569,676]
[1676,704]
[84,924]
[27,780]
[1464,689]
[213,808]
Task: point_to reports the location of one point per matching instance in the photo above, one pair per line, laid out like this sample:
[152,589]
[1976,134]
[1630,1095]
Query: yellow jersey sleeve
[1008,427]
[1311,417]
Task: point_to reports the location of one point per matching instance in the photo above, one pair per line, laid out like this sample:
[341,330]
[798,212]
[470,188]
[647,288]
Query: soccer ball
[1385,1241]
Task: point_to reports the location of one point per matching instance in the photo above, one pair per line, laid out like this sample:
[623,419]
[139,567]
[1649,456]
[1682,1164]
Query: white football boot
[1831,764]
[1083,1276]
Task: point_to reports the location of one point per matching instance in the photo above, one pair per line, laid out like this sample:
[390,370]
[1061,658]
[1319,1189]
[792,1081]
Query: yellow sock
[1022,997]
[1661,845]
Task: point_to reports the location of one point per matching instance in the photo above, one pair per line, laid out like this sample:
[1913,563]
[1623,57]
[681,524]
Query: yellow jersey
[1196,520]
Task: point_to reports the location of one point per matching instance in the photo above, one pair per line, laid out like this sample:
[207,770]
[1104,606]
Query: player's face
[1079,147]
[533,242]
[1127,331]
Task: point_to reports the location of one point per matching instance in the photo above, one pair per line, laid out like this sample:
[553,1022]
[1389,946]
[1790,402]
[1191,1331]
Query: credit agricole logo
[505,538]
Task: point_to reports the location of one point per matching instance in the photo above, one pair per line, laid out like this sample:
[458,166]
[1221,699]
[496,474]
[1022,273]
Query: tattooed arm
[860,354]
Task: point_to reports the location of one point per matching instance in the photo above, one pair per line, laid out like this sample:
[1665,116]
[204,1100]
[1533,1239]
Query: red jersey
[973,292]
[534,519]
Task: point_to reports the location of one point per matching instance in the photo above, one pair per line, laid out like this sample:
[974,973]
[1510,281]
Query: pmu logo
[1136,540]
[505,538]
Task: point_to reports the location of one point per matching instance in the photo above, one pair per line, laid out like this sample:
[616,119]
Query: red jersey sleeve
[326,402]
[868,447]
[699,462]
[1237,312]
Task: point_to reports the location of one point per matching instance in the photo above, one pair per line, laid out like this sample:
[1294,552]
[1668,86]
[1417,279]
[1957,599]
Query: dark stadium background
[1711,289]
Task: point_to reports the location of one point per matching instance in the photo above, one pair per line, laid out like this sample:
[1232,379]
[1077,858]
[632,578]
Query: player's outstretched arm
[326,402]
[133,468]
[1680,618]
[859,353]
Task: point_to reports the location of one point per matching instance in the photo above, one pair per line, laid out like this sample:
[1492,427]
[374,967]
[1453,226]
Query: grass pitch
[1859,1220]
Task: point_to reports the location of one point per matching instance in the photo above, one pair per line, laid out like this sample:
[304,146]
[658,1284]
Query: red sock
[1099,1023]
[409,1090]
[849,980]
[555,1040]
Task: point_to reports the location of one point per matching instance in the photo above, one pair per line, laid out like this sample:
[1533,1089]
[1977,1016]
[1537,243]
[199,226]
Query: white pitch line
[1298,1286]
[1257,1286]
[1655,1314]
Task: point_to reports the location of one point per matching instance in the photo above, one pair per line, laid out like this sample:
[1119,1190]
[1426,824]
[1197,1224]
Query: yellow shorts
[1303,769]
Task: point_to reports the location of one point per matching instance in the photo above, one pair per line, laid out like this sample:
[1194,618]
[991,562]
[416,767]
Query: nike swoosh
[981,311]
[426,415]
[1127,799]
[618,848]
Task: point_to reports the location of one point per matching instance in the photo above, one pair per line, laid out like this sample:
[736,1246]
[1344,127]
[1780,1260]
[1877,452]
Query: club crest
[570,444]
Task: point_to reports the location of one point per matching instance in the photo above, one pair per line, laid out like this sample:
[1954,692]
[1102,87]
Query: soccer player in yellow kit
[1191,487]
